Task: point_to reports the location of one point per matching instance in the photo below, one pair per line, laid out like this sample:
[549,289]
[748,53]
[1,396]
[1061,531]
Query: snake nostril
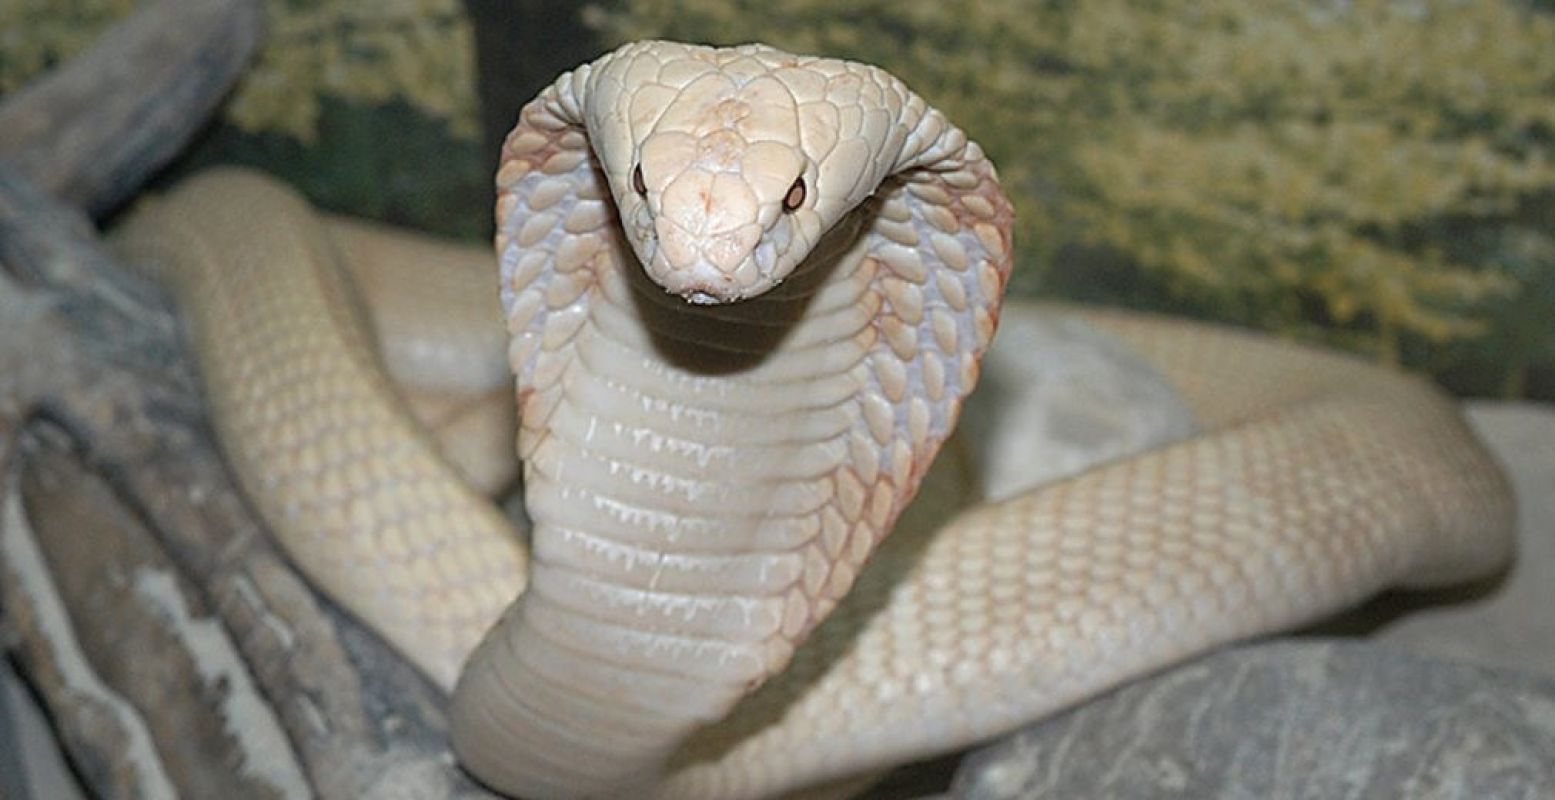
[638,184]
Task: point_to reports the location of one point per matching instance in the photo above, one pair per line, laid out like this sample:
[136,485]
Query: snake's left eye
[638,184]
[795,196]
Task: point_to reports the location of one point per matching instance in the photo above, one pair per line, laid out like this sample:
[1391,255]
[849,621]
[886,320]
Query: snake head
[725,168]
[711,220]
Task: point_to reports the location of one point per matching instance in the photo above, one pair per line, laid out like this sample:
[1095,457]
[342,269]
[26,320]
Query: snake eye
[795,196]
[638,184]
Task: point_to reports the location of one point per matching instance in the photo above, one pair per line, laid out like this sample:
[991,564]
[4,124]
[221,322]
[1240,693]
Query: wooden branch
[76,553]
[91,352]
[174,647]
[93,131]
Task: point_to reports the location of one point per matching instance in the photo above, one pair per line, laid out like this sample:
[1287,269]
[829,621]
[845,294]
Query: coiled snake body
[747,292]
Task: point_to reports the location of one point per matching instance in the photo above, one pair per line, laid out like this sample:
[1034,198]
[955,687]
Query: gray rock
[1310,719]
[1507,622]
[1058,397]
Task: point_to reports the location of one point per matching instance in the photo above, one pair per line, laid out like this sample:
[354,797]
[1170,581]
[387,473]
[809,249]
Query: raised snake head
[727,168]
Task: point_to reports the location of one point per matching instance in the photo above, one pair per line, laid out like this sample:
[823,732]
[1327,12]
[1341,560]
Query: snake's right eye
[638,184]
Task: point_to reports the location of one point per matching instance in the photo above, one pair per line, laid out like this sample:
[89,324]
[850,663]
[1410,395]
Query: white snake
[715,441]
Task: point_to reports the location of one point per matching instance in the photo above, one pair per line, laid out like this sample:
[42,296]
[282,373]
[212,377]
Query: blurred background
[1377,175]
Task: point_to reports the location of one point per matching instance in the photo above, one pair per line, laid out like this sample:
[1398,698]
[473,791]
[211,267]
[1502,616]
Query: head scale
[722,185]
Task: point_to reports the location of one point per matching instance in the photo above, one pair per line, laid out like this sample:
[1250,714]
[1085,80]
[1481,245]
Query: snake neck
[680,462]
[706,481]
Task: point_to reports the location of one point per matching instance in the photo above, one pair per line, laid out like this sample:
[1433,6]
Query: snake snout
[711,198]
[710,268]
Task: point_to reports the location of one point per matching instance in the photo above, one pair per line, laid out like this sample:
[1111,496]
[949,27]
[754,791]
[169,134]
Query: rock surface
[1313,719]
[1057,397]
[1509,622]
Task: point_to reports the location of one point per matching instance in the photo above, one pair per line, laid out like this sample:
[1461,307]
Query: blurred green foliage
[37,34]
[369,108]
[413,51]
[1377,174]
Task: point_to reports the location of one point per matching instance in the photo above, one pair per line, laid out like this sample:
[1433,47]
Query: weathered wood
[158,695]
[94,352]
[14,781]
[92,131]
[152,553]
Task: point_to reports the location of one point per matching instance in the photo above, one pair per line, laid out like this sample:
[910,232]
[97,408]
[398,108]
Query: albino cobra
[747,292]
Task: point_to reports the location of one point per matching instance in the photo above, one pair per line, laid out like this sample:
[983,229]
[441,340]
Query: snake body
[747,292]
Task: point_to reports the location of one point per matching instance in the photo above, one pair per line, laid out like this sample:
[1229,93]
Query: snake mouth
[703,283]
[704,299]
[701,290]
